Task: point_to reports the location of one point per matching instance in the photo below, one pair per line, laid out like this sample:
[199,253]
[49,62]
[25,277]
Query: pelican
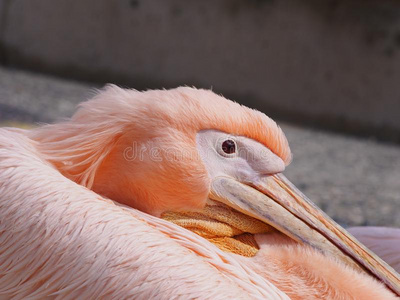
[169,194]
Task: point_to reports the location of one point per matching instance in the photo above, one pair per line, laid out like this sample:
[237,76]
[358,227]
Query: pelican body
[169,194]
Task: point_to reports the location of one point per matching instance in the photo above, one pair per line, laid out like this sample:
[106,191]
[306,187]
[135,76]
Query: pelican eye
[229,146]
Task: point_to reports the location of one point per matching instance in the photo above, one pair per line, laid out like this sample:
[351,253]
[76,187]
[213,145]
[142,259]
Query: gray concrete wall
[330,63]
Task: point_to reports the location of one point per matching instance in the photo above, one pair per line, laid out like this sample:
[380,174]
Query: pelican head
[186,150]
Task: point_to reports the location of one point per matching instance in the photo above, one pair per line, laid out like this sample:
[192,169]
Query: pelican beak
[277,202]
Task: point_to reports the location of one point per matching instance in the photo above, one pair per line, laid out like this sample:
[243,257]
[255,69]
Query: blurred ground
[356,181]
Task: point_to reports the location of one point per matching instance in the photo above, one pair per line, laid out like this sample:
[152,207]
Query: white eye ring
[227,147]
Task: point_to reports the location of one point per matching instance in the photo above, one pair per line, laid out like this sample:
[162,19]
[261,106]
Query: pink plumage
[61,240]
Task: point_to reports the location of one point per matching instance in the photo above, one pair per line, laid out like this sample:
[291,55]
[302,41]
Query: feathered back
[59,240]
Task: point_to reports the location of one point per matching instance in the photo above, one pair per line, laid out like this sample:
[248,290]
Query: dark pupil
[229,146]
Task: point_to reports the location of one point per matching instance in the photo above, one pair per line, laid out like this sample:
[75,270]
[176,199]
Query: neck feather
[77,149]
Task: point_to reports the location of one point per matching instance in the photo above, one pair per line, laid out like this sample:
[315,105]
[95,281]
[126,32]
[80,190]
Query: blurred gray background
[327,70]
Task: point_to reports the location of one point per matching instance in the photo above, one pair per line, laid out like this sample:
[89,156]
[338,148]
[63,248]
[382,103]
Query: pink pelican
[169,194]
